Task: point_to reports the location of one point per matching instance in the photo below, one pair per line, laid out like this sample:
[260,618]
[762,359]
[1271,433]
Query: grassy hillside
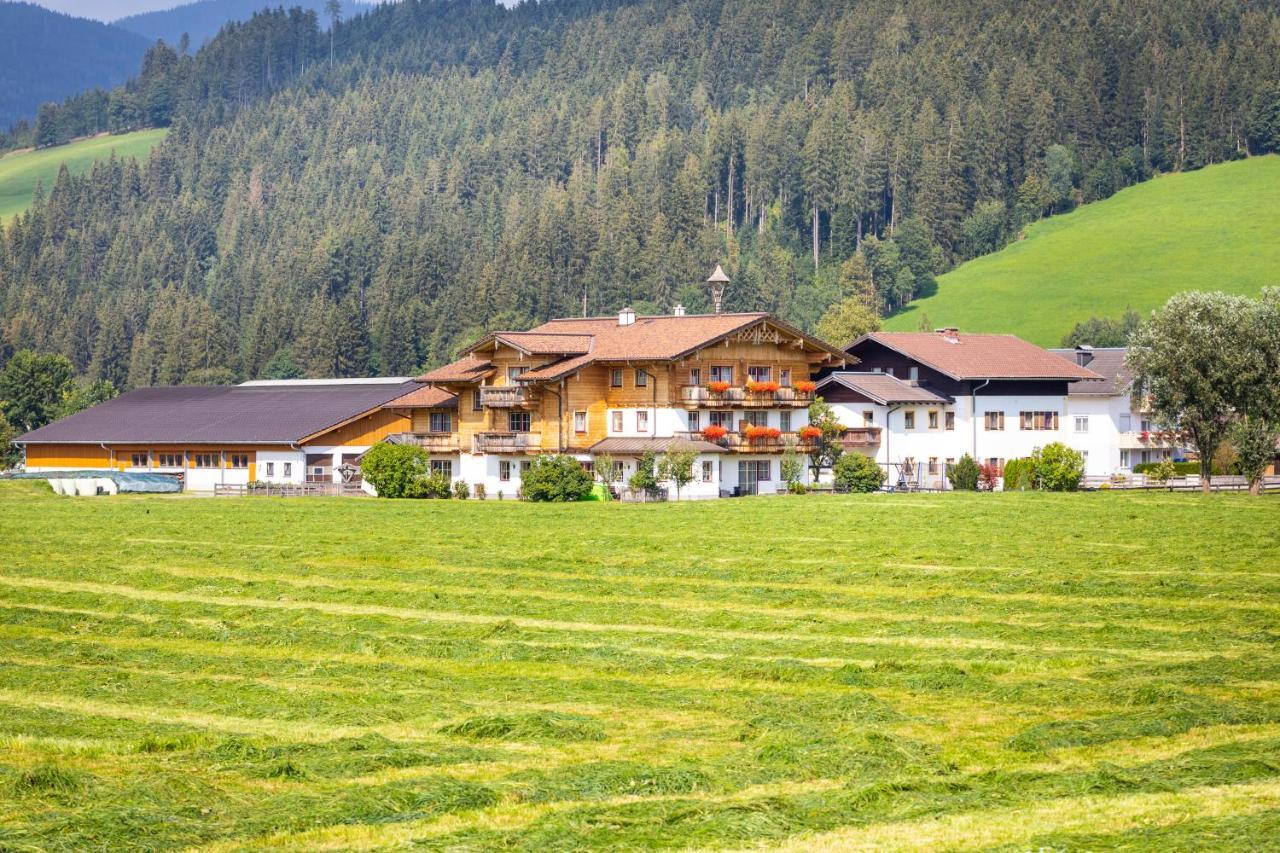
[1214,229]
[20,172]
[352,674]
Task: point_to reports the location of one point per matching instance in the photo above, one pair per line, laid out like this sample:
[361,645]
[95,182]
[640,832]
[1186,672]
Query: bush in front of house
[556,478]
[1019,475]
[1180,469]
[963,475]
[433,485]
[857,473]
[1058,468]
[395,469]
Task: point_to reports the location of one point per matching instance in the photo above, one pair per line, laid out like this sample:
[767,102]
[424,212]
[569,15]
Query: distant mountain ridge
[203,19]
[49,56]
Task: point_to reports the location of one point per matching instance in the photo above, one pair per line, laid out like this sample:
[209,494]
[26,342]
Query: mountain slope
[48,56]
[202,20]
[20,172]
[1215,229]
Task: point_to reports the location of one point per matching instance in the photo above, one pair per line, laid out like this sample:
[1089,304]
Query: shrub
[461,491]
[645,479]
[479,491]
[433,485]
[988,476]
[1058,468]
[556,478]
[963,475]
[1163,471]
[1019,475]
[394,469]
[1179,468]
[857,473]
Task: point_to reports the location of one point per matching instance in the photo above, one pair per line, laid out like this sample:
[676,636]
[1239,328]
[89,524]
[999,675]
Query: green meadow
[1214,229]
[1005,672]
[21,171]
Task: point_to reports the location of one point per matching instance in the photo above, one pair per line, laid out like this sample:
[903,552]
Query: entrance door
[753,472]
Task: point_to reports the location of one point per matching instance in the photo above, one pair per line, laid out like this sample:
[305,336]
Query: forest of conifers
[368,203]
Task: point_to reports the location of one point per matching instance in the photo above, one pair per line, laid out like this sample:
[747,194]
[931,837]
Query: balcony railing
[1134,440]
[507,442]
[701,395]
[507,396]
[432,442]
[738,442]
[860,437]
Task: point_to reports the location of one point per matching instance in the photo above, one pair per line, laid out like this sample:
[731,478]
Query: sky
[107,10]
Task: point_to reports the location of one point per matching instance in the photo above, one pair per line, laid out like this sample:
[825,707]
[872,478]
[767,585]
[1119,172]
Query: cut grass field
[860,672]
[1214,229]
[20,172]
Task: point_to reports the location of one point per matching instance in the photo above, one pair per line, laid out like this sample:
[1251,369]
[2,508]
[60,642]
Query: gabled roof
[882,388]
[260,413]
[1108,363]
[463,370]
[635,446]
[424,397]
[974,356]
[581,341]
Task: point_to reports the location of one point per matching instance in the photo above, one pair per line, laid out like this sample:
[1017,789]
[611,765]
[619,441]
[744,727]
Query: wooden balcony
[859,437]
[507,442]
[508,396]
[738,442]
[694,396]
[432,442]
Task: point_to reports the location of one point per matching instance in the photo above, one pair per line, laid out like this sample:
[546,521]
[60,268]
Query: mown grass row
[775,671]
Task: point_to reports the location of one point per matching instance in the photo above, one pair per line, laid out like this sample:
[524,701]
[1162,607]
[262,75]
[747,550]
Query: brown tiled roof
[883,388]
[970,356]
[260,413]
[544,343]
[1108,363]
[465,369]
[636,446]
[425,397]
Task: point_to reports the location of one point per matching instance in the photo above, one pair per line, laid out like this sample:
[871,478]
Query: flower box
[810,433]
[718,387]
[714,432]
[805,386]
[762,433]
[762,387]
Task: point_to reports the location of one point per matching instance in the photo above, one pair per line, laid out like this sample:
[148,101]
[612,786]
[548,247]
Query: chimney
[949,333]
[678,310]
[626,316]
[717,281]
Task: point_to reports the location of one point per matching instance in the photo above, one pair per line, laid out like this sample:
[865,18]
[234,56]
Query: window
[695,376]
[642,420]
[760,419]
[753,472]
[695,421]
[642,379]
[949,421]
[760,373]
[524,467]
[518,421]
[615,377]
[476,404]
[1082,423]
[1040,420]
[889,371]
[933,466]
[708,471]
[908,419]
[784,421]
[287,469]
[170,460]
[440,422]
[722,419]
[138,460]
[994,421]
[951,460]
[504,470]
[933,420]
[615,421]
[442,466]
[206,460]
[913,373]
[271,469]
[868,417]
[515,372]
[784,377]
[722,373]
[238,460]
[579,421]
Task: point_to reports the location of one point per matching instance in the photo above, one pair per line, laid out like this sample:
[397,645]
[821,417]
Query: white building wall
[296,461]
